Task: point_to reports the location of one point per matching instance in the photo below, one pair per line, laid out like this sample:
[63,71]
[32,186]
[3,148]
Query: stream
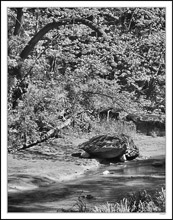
[93,187]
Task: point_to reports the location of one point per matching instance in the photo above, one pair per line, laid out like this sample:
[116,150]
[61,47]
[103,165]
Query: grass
[113,127]
[104,127]
[139,202]
[118,126]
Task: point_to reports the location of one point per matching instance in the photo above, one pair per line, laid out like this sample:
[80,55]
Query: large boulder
[110,146]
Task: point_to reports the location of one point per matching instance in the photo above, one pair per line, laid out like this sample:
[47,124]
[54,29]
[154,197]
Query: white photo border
[4,6]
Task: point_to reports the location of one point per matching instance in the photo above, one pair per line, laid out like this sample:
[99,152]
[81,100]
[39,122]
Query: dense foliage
[95,58]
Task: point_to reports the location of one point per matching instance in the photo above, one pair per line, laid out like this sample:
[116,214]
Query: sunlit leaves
[72,67]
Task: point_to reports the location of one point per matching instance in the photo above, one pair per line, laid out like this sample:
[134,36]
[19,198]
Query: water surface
[93,187]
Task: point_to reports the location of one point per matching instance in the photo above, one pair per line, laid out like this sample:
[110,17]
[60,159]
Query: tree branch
[53,25]
[51,134]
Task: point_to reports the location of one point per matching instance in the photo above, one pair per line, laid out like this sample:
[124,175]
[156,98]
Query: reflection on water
[123,179]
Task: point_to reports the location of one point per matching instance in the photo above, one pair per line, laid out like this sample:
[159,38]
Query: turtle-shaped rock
[110,146]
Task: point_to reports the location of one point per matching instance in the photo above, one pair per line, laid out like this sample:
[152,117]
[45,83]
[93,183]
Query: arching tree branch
[53,25]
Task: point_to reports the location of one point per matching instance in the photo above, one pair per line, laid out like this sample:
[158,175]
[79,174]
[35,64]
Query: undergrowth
[139,202]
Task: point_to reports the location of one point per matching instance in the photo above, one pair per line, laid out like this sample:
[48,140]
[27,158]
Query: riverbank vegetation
[139,202]
[74,67]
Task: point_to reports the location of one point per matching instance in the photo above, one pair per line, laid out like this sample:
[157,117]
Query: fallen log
[53,133]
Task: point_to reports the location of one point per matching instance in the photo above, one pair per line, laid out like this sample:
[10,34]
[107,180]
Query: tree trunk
[18,21]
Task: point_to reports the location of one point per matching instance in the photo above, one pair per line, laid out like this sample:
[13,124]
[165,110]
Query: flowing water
[93,187]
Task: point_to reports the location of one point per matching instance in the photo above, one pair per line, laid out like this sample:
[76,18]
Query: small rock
[106,172]
[89,196]
[77,163]
[85,155]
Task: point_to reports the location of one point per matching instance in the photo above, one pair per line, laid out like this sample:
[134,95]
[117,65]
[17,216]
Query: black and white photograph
[86,107]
